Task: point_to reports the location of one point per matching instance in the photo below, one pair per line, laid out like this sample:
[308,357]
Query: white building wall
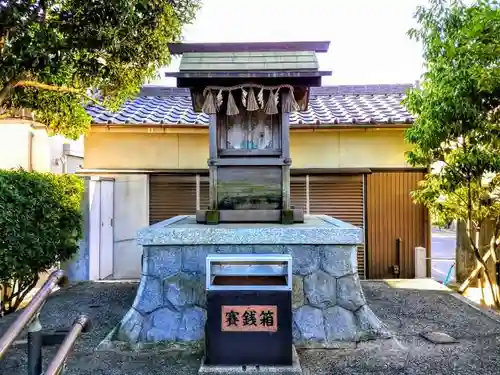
[41,151]
[14,141]
[29,147]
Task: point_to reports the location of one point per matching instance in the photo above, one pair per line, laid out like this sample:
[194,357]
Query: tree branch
[3,41]
[458,196]
[60,89]
[23,292]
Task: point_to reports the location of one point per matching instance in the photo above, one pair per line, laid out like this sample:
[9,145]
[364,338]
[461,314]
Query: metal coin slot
[249,280]
[249,272]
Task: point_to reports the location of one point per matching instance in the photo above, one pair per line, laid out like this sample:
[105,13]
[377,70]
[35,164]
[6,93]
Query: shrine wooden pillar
[285,149]
[212,169]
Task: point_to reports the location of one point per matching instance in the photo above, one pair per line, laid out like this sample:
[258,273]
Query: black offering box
[249,310]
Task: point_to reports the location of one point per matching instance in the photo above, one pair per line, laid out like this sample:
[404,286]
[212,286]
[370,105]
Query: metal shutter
[342,198]
[171,195]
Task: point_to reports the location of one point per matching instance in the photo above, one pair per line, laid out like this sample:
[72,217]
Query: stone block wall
[328,302]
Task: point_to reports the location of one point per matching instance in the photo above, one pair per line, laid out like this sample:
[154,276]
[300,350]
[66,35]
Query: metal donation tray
[249,309]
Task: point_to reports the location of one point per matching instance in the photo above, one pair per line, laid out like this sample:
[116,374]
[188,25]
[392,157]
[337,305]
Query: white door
[106,230]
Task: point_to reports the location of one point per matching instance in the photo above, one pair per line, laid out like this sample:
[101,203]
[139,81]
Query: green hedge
[40,225]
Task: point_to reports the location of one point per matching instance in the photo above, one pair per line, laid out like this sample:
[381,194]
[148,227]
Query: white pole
[420,263]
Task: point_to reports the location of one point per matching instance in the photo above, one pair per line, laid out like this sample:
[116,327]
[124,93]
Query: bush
[40,225]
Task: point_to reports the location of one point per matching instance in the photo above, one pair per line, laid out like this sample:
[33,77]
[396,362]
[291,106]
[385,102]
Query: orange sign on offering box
[252,318]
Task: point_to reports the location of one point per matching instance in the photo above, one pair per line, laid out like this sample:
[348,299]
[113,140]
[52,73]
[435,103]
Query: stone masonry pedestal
[329,307]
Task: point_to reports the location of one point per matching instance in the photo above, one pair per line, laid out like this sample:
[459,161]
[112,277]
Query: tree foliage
[55,55]
[457,112]
[40,225]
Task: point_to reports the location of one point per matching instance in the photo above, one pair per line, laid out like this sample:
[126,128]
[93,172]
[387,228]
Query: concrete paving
[408,307]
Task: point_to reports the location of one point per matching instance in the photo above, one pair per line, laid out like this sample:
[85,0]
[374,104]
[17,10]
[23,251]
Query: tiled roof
[371,104]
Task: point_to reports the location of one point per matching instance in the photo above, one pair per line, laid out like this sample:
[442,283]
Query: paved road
[443,246]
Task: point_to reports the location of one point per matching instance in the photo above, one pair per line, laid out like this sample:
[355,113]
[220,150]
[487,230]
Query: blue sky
[368,38]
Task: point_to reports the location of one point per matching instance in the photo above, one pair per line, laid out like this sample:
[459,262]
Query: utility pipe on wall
[396,268]
[64,159]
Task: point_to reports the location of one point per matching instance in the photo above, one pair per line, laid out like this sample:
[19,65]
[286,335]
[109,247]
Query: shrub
[40,225]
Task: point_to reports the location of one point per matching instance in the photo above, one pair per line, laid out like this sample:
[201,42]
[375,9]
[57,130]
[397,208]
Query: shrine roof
[328,105]
[257,60]
[315,46]
[248,61]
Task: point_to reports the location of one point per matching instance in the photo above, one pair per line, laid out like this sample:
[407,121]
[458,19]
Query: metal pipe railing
[57,278]
[81,324]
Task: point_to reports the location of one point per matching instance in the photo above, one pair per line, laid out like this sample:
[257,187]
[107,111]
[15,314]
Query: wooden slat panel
[250,188]
[391,214]
[170,196]
[204,194]
[298,192]
[342,198]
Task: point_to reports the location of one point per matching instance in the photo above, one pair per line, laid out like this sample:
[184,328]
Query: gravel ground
[407,313]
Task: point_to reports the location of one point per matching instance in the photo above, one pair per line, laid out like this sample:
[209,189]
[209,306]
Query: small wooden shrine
[249,90]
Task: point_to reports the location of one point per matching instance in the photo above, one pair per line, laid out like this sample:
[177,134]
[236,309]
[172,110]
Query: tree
[40,225]
[457,117]
[56,56]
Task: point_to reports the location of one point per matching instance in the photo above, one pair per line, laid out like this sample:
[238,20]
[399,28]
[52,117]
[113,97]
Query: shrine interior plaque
[251,318]
[249,133]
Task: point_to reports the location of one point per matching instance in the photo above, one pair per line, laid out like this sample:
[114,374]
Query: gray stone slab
[308,322]
[298,298]
[165,325]
[320,290]
[305,259]
[370,326]
[131,326]
[192,326]
[339,261]
[193,258]
[162,261]
[294,369]
[269,249]
[185,290]
[340,324]
[438,337]
[316,230]
[149,295]
[349,292]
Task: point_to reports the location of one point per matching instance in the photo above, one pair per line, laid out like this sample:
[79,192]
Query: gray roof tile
[368,104]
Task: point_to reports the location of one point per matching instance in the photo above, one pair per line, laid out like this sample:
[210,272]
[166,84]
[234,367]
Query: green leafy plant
[457,124]
[56,56]
[40,225]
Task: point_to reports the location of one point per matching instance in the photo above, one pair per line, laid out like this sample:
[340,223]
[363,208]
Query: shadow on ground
[407,312]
